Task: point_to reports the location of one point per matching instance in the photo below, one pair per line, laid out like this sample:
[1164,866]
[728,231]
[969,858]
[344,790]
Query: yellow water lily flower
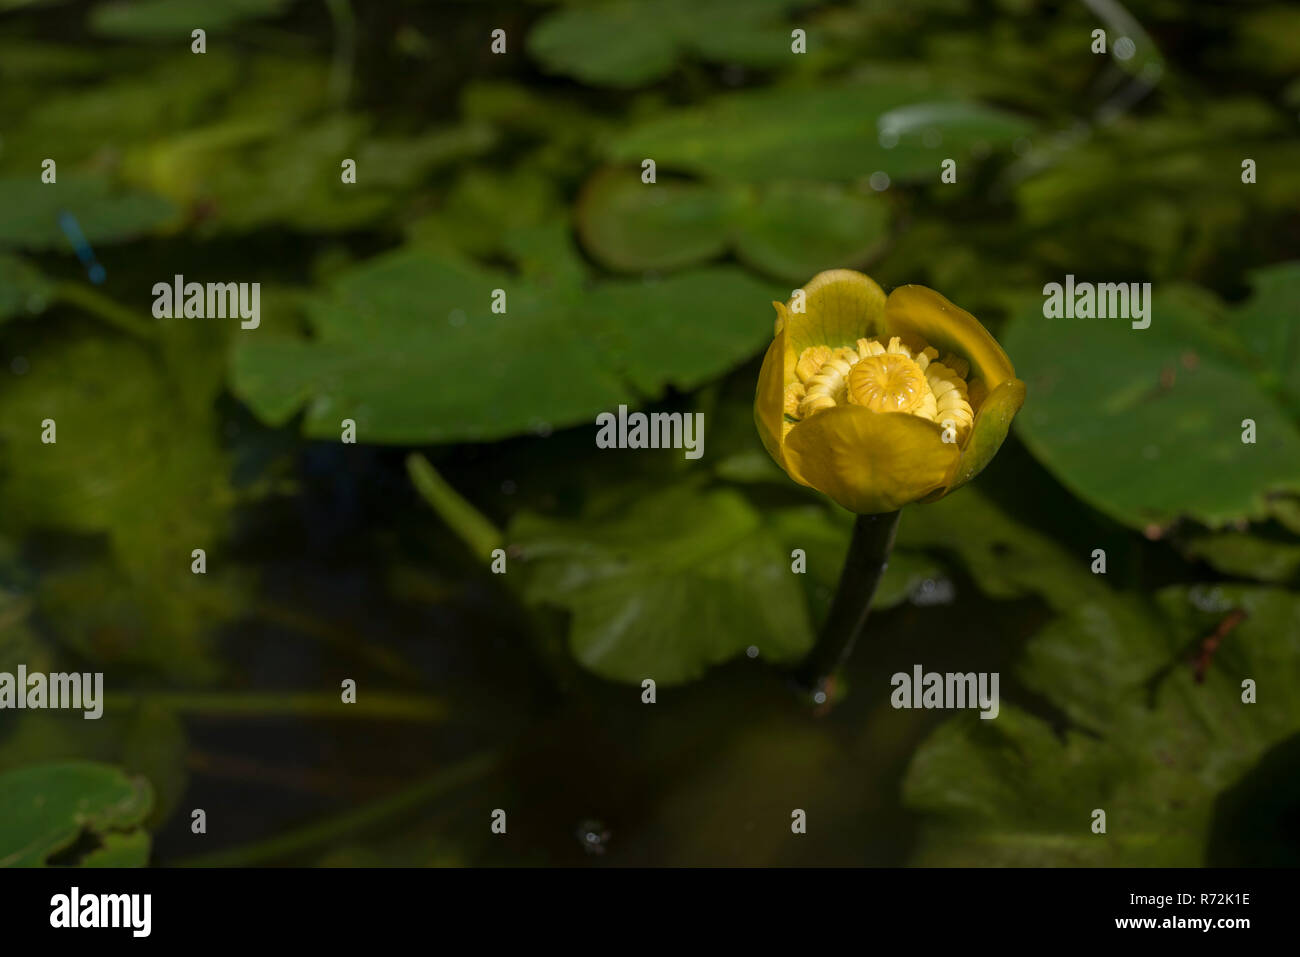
[878,402]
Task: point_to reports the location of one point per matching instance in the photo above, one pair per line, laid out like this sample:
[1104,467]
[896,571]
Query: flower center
[888,383]
[883,377]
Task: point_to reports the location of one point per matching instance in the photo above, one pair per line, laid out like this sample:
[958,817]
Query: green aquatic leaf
[1147,424]
[105,213]
[485,207]
[1259,554]
[902,127]
[1011,791]
[632,226]
[1268,324]
[44,809]
[787,230]
[120,850]
[82,123]
[665,584]
[795,230]
[1116,197]
[626,43]
[408,346]
[1007,557]
[246,173]
[137,470]
[616,45]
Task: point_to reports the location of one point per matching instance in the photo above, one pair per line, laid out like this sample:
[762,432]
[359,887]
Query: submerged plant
[878,402]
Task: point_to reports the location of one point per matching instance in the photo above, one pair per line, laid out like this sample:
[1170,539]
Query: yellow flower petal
[769,398]
[870,462]
[841,306]
[923,313]
[992,421]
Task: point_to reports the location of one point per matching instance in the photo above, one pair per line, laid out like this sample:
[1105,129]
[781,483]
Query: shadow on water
[359,580]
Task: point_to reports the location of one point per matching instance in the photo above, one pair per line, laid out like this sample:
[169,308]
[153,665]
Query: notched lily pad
[45,810]
[788,230]
[408,345]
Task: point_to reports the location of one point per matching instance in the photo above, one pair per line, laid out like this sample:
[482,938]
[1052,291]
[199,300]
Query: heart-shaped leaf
[408,345]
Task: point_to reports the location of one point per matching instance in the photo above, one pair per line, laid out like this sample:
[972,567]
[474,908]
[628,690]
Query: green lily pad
[626,43]
[407,345]
[633,226]
[787,230]
[795,230]
[120,850]
[901,127]
[484,207]
[105,214]
[1010,791]
[665,584]
[1269,325]
[1146,424]
[80,122]
[44,809]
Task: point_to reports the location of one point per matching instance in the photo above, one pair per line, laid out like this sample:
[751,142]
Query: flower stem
[873,540]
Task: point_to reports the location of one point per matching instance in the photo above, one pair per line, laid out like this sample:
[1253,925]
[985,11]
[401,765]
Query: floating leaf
[1269,325]
[903,128]
[632,226]
[44,809]
[120,850]
[1146,424]
[795,230]
[665,584]
[408,346]
[485,207]
[626,43]
[1011,792]
[104,213]
[1247,554]
[787,230]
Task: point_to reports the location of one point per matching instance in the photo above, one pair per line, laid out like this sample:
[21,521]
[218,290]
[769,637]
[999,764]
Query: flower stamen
[883,377]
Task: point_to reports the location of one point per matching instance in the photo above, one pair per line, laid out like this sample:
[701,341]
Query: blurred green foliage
[523,172]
